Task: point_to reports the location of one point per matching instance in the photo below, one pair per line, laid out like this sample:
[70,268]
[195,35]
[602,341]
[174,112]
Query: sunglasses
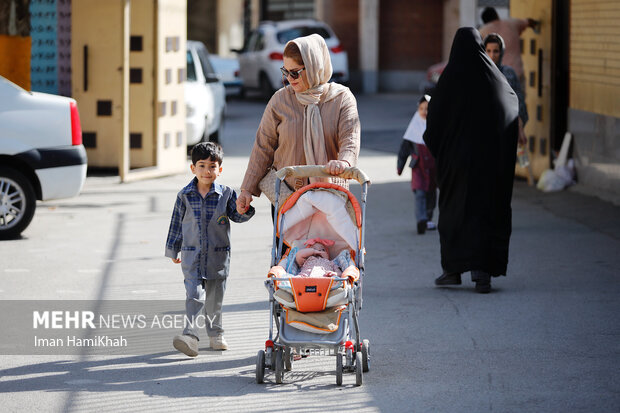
[292,73]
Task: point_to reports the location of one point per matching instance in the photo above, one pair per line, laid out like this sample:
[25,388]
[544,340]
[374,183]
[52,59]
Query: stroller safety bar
[303,171]
[335,278]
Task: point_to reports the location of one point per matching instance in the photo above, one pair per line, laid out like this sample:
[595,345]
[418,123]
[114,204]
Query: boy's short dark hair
[207,150]
[489,14]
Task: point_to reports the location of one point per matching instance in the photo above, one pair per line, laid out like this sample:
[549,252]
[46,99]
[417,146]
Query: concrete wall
[536,55]
[97,83]
[229,27]
[142,85]
[594,114]
[597,152]
[171,58]
[149,47]
[457,13]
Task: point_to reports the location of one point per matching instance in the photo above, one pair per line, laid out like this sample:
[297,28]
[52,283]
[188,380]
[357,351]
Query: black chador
[472,132]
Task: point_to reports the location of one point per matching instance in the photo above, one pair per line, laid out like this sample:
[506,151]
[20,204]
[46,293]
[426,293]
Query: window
[207,68]
[191,68]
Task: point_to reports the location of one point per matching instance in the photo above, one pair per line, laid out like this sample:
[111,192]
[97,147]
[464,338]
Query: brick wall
[410,36]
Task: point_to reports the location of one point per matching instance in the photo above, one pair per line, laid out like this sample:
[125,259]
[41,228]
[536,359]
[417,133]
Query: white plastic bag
[563,173]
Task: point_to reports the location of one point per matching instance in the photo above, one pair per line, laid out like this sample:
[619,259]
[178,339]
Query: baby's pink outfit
[318,267]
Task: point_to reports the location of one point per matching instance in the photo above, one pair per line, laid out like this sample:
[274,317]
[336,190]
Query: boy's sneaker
[430,225]
[186,344]
[218,343]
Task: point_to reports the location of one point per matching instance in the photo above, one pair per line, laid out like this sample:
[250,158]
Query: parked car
[41,153]
[205,97]
[260,59]
[227,69]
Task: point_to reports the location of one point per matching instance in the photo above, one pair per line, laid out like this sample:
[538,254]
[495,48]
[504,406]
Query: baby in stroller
[313,261]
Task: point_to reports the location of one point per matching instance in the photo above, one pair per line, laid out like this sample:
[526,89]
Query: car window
[289,34]
[249,46]
[191,67]
[207,68]
[260,42]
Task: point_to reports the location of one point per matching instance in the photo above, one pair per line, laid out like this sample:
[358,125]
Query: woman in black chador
[472,131]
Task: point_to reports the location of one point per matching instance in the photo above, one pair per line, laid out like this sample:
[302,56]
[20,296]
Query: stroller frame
[352,353]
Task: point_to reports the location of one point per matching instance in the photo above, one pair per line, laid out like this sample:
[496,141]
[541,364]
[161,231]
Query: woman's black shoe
[482,280]
[453,278]
[483,287]
[422,226]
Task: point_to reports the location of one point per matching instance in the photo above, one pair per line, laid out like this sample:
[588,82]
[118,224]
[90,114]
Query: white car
[205,97]
[227,69]
[41,153]
[260,59]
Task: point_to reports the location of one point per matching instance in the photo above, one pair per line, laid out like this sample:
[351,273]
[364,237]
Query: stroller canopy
[323,210]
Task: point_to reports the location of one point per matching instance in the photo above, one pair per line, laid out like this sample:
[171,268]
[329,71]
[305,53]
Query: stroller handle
[304,171]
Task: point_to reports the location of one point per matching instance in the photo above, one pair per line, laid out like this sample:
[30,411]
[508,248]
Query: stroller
[317,316]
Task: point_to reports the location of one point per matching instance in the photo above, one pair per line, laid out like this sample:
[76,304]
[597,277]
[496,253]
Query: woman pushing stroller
[308,122]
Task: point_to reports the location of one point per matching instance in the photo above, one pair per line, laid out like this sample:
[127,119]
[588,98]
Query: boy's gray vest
[214,262]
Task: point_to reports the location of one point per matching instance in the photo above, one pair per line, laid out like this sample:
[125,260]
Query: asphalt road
[546,339]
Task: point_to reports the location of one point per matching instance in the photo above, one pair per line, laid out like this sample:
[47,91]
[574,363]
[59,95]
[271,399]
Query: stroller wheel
[279,366]
[260,366]
[339,369]
[359,375]
[288,358]
[365,355]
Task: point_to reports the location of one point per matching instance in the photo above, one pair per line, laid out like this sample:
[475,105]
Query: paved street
[547,339]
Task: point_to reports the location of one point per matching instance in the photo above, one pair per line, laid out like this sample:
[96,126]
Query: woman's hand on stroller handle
[336,167]
[304,171]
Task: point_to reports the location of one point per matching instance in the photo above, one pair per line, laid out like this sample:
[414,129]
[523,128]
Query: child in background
[200,230]
[423,171]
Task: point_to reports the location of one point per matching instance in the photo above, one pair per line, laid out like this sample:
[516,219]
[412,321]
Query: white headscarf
[318,68]
[416,129]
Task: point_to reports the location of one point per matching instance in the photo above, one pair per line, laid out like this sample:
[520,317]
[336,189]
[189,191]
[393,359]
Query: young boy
[200,229]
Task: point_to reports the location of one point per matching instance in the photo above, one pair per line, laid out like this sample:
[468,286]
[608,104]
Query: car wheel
[265,86]
[17,203]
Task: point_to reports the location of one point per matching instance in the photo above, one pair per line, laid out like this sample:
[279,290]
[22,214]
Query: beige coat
[279,139]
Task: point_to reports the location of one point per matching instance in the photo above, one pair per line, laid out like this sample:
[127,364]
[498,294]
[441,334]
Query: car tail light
[276,56]
[76,127]
[337,49]
[236,73]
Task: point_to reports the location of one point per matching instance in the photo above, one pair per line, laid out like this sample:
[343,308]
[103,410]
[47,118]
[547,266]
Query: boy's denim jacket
[205,249]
